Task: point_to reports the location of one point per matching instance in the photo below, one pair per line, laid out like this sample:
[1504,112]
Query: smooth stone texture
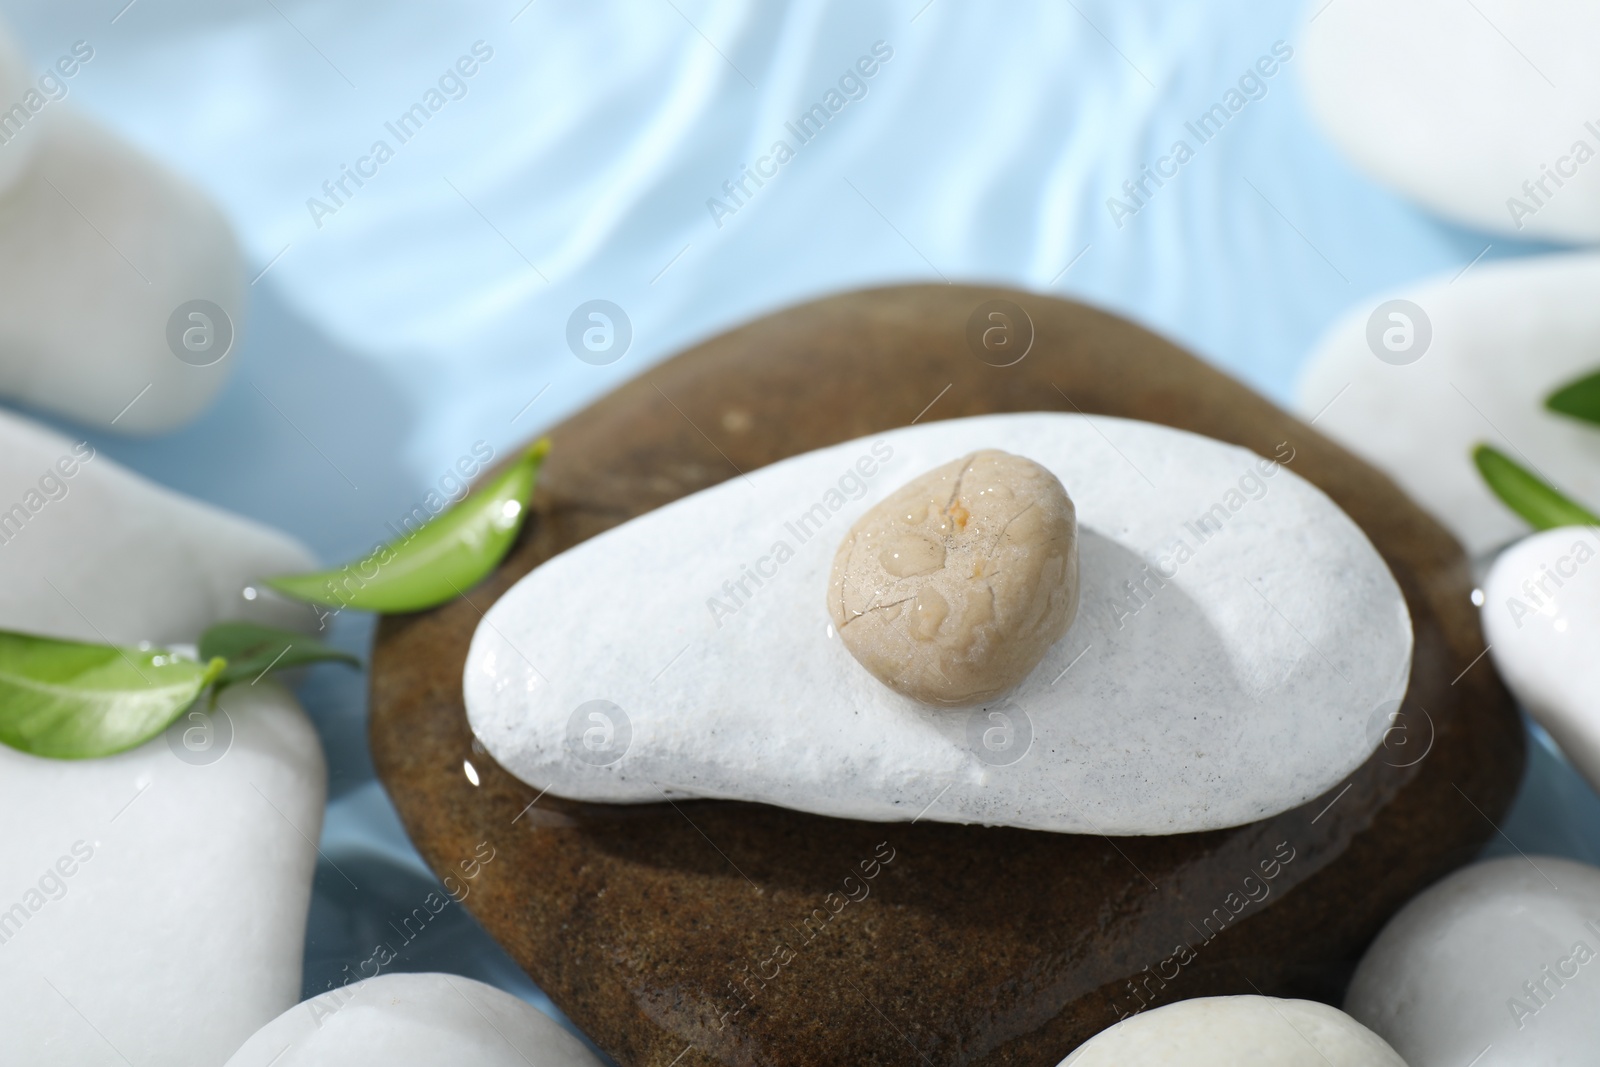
[1457,105]
[953,587]
[16,79]
[101,246]
[1504,337]
[1230,1031]
[1243,683]
[182,932]
[1541,615]
[104,555]
[413,1020]
[975,946]
[1445,979]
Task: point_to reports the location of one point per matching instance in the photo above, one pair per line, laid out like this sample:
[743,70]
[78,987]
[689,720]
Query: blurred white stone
[1231,1031]
[1497,961]
[99,247]
[1486,112]
[401,1020]
[100,554]
[1503,337]
[1541,617]
[19,125]
[152,905]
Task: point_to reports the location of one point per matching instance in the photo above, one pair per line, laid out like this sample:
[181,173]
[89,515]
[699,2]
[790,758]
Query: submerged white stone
[152,907]
[1503,337]
[99,246]
[413,1020]
[1485,112]
[91,551]
[1252,678]
[1541,617]
[1232,1031]
[1503,955]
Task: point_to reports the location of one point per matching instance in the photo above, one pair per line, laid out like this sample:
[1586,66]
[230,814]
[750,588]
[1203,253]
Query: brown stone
[741,934]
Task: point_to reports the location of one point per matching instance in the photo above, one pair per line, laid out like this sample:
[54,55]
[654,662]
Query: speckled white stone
[1541,617]
[115,558]
[181,932]
[1462,968]
[1237,1031]
[413,1020]
[1458,104]
[99,245]
[1504,336]
[1248,683]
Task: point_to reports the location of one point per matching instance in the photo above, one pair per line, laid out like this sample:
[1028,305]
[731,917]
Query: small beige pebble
[954,587]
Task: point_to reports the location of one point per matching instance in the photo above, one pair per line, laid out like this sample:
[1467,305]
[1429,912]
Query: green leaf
[1542,504]
[437,562]
[252,650]
[1579,398]
[70,700]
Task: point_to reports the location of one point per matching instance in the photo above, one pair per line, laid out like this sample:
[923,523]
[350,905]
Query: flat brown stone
[743,934]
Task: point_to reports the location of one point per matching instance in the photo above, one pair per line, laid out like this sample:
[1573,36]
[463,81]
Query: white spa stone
[1458,105]
[1503,337]
[18,131]
[413,1020]
[1541,617]
[152,907]
[1234,1031]
[1250,680]
[99,246]
[104,555]
[1502,956]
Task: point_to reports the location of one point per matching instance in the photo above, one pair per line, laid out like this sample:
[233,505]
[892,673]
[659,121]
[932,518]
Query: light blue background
[431,309]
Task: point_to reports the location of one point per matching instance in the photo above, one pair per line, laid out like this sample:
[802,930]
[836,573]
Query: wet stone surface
[953,588]
[731,933]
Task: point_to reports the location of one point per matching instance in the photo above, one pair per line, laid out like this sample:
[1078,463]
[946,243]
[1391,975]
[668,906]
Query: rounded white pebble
[19,123]
[1483,112]
[1500,338]
[1504,953]
[1541,618]
[413,1020]
[161,893]
[951,589]
[1235,1031]
[102,246]
[90,551]
[693,656]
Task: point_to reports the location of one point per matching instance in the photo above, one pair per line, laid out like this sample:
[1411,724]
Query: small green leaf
[70,700]
[1579,398]
[253,650]
[1542,504]
[437,562]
